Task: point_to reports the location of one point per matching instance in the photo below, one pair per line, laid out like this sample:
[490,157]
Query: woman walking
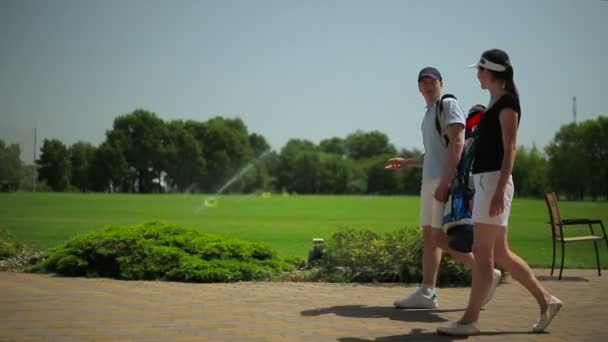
[494,159]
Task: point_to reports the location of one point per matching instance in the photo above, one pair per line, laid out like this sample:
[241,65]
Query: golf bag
[457,219]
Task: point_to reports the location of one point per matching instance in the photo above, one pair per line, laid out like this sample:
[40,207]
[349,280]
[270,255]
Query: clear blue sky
[290,69]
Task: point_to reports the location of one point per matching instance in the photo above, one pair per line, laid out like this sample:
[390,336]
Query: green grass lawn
[288,224]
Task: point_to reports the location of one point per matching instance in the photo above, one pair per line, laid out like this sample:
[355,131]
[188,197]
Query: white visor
[486,64]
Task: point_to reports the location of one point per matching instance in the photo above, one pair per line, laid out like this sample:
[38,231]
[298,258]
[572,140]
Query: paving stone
[37,307]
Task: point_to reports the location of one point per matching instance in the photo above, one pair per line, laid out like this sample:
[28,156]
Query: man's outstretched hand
[399,163]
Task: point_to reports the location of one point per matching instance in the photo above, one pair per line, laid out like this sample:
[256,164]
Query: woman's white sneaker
[545,319]
[457,329]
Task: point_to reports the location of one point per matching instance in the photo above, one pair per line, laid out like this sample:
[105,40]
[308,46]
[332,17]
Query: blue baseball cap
[431,72]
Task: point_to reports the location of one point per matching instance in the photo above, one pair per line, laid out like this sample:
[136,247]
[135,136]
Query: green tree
[226,149]
[109,168]
[530,172]
[358,178]
[592,137]
[602,154]
[266,176]
[380,180]
[28,179]
[257,177]
[54,165]
[287,173]
[185,165]
[335,174]
[578,159]
[566,162]
[411,178]
[10,166]
[141,137]
[362,145]
[333,145]
[258,144]
[81,158]
[306,173]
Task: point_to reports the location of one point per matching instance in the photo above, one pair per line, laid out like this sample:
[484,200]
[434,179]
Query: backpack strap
[440,119]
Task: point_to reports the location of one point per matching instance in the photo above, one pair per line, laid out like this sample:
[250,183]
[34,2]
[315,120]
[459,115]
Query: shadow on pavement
[555,278]
[363,311]
[414,335]
[425,335]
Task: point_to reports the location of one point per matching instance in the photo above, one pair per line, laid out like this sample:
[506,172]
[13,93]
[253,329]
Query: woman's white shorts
[485,187]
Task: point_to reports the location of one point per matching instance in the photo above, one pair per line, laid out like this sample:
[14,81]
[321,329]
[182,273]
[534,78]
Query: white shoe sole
[406,306]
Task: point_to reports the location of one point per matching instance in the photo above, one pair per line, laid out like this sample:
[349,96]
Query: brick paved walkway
[45,308]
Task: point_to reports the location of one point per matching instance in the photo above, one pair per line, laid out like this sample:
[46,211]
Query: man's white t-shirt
[435,149]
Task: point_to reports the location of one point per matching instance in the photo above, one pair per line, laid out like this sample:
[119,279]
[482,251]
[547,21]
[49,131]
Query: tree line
[142,153]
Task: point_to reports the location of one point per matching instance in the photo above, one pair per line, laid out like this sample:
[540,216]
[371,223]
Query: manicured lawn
[288,224]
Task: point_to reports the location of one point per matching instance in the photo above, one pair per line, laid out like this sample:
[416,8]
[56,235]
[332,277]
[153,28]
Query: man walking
[443,140]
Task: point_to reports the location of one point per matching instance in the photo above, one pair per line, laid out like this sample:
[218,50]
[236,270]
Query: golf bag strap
[438,120]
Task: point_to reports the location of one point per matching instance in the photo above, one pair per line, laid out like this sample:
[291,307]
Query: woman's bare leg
[483,269]
[519,269]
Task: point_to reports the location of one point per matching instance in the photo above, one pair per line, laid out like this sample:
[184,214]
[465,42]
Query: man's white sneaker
[495,282]
[457,329]
[417,300]
[545,319]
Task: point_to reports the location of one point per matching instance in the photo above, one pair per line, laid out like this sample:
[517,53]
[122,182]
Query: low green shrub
[163,251]
[366,256]
[9,247]
[14,255]
[158,250]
